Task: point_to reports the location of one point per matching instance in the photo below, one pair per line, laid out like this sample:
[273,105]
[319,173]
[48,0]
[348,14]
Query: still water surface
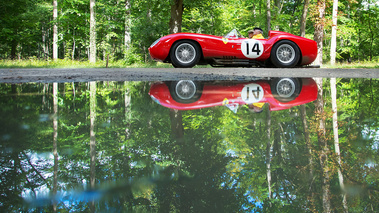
[110,147]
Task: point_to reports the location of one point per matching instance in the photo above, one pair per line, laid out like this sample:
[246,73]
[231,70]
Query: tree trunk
[336,141]
[45,56]
[319,30]
[303,22]
[324,149]
[334,33]
[268,7]
[92,54]
[73,50]
[73,45]
[128,23]
[55,141]
[176,16]
[14,49]
[92,140]
[279,10]
[55,30]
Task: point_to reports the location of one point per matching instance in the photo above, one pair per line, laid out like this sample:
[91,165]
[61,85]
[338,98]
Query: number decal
[256,49]
[252,93]
[252,48]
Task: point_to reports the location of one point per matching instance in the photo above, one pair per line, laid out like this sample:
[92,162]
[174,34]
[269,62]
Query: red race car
[280,49]
[280,93]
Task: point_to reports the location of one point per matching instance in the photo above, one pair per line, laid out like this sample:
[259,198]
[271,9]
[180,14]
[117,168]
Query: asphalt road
[169,74]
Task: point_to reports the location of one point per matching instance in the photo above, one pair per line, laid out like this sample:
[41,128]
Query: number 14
[255,48]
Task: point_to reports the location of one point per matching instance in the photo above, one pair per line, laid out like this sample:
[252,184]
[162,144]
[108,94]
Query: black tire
[285,89]
[185,54]
[285,54]
[185,91]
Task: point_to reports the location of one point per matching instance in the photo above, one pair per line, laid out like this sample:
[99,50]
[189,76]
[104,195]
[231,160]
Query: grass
[364,65]
[63,63]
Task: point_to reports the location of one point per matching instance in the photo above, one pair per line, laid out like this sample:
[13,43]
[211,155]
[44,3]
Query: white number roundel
[252,93]
[252,48]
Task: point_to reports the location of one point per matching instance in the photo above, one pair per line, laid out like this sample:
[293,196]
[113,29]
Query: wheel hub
[185,53]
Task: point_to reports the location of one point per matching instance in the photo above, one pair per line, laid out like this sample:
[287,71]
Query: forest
[122,30]
[107,146]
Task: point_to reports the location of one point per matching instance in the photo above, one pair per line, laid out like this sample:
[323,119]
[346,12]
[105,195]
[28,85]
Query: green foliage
[26,31]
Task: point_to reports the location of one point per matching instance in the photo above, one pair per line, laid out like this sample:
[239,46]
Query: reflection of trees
[55,141]
[19,173]
[92,138]
[200,182]
[149,158]
[324,148]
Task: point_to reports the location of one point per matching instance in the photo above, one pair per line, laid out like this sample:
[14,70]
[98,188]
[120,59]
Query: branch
[34,169]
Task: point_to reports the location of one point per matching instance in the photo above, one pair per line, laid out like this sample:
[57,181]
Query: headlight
[155,42]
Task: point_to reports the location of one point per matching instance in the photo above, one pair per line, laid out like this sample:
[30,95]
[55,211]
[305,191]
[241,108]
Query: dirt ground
[169,74]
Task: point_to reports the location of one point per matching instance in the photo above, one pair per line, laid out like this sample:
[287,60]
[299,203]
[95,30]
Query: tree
[176,16]
[55,30]
[303,21]
[128,23]
[124,30]
[92,49]
[268,11]
[319,30]
[334,33]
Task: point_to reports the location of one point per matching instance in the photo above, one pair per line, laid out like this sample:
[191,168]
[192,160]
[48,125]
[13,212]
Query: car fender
[161,50]
[308,48]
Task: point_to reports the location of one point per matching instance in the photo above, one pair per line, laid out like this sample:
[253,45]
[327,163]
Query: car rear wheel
[285,89]
[185,54]
[185,91]
[285,54]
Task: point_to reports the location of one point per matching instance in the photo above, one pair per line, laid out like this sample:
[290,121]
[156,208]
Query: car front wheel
[285,54]
[185,54]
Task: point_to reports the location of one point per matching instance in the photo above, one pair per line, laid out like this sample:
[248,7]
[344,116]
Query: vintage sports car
[280,93]
[280,49]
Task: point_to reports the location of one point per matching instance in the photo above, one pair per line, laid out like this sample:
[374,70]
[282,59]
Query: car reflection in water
[279,93]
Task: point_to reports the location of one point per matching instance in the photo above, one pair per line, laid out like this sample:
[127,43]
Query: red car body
[234,50]
[219,94]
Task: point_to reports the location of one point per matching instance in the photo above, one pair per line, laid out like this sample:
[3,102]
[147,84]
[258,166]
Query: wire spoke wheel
[185,53]
[285,53]
[185,89]
[285,88]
